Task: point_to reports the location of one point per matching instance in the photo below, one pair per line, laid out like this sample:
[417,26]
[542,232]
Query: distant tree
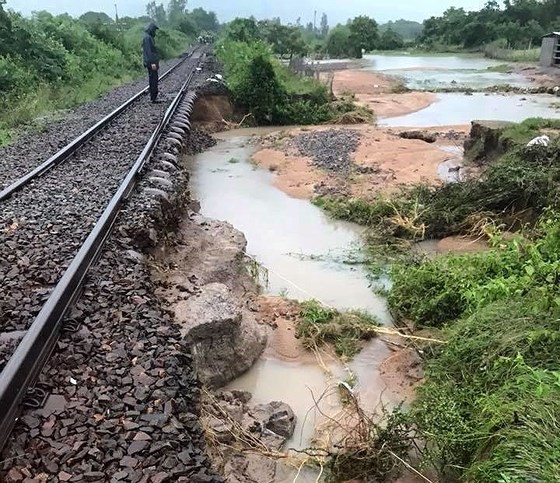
[364,35]
[204,20]
[407,29]
[243,30]
[286,40]
[157,12]
[390,40]
[324,31]
[187,26]
[338,44]
[176,10]
[96,17]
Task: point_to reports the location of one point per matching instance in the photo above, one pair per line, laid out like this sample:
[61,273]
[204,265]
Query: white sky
[288,10]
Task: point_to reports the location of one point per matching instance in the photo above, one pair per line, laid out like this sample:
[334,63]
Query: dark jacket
[149,50]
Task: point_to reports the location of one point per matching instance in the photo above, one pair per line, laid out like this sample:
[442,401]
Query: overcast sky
[288,10]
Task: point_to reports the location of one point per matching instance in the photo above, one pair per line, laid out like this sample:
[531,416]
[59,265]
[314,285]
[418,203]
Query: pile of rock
[330,149]
[236,425]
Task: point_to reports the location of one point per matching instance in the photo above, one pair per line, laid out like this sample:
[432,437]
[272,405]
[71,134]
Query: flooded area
[443,71]
[306,255]
[460,109]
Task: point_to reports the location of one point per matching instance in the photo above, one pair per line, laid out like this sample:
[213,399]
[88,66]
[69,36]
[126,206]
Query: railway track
[56,219]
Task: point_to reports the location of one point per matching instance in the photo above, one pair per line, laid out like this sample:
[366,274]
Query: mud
[378,92]
[383,161]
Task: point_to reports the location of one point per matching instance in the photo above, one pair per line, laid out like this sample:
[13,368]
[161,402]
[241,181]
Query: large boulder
[225,340]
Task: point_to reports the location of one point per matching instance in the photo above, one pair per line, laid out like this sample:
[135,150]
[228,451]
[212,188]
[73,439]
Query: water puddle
[460,109]
[308,256]
[451,170]
[445,71]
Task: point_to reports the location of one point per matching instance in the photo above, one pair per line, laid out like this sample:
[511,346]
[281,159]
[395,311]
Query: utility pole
[116,14]
[315,22]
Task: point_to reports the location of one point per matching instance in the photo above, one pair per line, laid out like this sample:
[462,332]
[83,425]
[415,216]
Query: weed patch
[436,292]
[344,331]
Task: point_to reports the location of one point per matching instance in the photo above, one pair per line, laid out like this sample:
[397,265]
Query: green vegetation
[519,24]
[270,91]
[437,292]
[407,29]
[54,62]
[344,331]
[488,408]
[498,52]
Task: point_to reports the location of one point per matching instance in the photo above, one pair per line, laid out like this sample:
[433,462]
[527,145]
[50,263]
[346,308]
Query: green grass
[501,68]
[436,292]
[512,55]
[489,408]
[520,134]
[344,331]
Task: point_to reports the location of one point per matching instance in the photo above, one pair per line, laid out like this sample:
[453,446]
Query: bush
[436,292]
[489,408]
[271,92]
[49,62]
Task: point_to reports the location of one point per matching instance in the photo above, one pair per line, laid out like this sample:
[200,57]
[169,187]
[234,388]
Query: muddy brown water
[306,255]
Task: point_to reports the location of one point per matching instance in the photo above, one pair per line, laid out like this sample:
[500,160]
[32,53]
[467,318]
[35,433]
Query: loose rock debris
[124,396]
[330,149]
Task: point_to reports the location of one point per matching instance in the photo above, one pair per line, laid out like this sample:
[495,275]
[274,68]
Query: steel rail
[25,365]
[83,138]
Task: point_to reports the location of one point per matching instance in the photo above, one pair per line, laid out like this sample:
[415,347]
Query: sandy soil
[402,373]
[542,76]
[281,315]
[376,91]
[394,161]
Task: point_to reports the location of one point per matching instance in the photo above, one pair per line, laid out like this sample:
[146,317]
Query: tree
[286,40]
[364,35]
[324,26]
[204,20]
[176,10]
[243,30]
[407,29]
[338,42]
[157,13]
[96,17]
[390,40]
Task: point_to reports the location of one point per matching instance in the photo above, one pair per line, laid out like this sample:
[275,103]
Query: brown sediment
[376,91]
[391,160]
[281,315]
[458,244]
[402,372]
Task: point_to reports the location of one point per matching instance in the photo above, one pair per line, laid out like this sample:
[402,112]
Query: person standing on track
[151,59]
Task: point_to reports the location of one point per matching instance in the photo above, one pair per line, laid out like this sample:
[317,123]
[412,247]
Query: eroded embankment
[124,402]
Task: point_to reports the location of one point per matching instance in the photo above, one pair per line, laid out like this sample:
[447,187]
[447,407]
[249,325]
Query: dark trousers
[153,76]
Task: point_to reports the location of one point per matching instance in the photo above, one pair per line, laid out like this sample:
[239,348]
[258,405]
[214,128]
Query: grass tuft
[344,331]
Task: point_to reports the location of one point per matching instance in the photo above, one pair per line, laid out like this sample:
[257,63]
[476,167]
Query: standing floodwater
[306,255]
[441,71]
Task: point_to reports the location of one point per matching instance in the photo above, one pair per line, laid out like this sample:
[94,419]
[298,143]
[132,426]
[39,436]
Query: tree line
[358,35]
[519,24]
[50,62]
